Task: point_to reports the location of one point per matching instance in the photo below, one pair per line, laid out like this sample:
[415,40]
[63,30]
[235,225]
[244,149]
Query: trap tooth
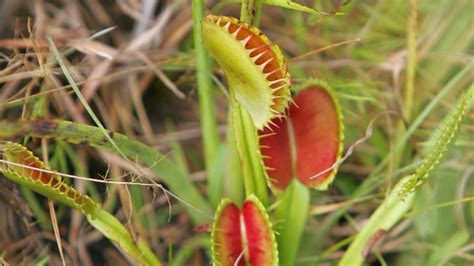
[261,65]
[246,40]
[270,73]
[280,87]
[275,82]
[256,50]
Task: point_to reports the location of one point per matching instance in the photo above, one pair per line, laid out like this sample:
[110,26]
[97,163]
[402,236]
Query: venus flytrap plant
[307,145]
[259,85]
[21,166]
[401,199]
[281,149]
[302,151]
[50,185]
[290,148]
[243,236]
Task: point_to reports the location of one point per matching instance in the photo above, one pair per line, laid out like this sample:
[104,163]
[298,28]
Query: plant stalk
[292,213]
[210,134]
[251,11]
[411,61]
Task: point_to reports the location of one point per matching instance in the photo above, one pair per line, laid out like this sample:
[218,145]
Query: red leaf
[275,148]
[317,130]
[259,237]
[243,235]
[226,236]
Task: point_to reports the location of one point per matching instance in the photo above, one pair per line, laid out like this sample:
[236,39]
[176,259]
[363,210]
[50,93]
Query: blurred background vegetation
[148,92]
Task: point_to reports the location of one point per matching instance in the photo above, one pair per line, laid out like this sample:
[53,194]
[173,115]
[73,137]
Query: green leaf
[290,5]
[233,183]
[115,231]
[298,7]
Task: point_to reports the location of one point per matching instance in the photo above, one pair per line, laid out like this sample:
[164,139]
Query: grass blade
[210,134]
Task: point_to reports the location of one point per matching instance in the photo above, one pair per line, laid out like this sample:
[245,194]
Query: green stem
[210,134]
[233,186]
[253,158]
[407,109]
[291,214]
[411,61]
[248,148]
[258,12]
[251,11]
[247,11]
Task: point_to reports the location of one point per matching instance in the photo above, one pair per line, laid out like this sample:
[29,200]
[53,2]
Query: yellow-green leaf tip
[256,71]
